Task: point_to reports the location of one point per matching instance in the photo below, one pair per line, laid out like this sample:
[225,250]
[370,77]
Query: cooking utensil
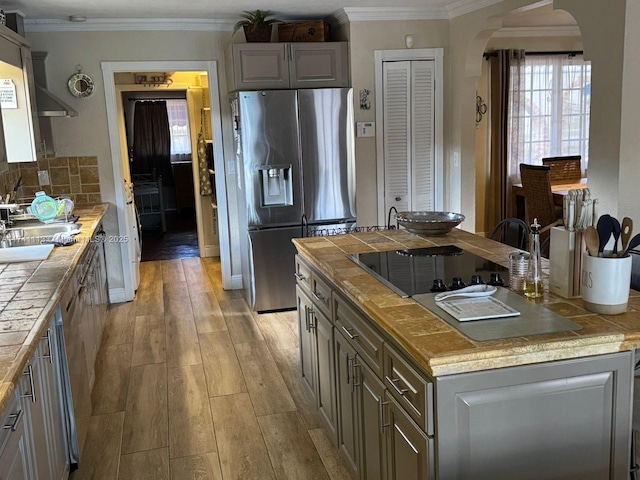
[594,217]
[604,228]
[625,233]
[615,231]
[592,239]
[633,243]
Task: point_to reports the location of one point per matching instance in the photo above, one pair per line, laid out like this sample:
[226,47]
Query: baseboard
[212,250]
[236,282]
[116,295]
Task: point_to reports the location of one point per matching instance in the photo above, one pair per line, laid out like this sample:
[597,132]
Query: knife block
[565,262]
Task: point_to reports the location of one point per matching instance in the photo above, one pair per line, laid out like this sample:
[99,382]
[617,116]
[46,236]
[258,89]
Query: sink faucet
[389,226]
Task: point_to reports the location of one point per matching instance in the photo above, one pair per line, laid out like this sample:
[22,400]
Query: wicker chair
[564,169]
[538,198]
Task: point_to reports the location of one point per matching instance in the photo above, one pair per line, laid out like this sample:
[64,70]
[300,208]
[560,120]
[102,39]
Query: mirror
[81,85]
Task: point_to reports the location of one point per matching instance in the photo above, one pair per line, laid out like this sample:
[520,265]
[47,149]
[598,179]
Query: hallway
[191,384]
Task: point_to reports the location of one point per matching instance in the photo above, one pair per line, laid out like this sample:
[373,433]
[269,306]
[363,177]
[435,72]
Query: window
[551,96]
[179,129]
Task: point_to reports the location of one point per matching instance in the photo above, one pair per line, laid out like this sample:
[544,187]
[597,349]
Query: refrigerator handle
[303,224]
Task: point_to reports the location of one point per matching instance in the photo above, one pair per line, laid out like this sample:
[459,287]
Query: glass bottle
[533,287]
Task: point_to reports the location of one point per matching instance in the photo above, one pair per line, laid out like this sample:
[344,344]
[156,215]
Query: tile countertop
[437,346]
[29,294]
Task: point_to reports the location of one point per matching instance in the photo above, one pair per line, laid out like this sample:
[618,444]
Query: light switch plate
[366,129]
[43,177]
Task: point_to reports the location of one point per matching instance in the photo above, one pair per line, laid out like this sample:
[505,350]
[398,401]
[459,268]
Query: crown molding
[128,24]
[372,14]
[462,7]
[551,31]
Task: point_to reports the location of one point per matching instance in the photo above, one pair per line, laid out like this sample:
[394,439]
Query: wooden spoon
[592,239]
[626,231]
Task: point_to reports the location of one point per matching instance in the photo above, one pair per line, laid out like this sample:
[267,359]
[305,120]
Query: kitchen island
[545,406]
[33,443]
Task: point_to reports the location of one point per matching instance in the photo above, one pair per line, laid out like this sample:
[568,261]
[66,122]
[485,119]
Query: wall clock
[80,84]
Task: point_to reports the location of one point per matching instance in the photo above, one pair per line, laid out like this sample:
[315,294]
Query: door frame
[109,69]
[435,54]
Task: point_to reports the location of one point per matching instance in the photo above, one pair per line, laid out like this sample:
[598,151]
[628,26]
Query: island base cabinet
[347,402]
[371,404]
[15,461]
[560,420]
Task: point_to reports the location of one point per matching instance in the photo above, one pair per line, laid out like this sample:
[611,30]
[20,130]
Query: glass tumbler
[518,266]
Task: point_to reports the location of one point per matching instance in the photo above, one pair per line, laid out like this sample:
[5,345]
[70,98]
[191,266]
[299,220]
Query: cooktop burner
[423,270]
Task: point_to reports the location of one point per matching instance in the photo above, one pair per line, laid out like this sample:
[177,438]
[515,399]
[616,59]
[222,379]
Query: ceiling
[224,9]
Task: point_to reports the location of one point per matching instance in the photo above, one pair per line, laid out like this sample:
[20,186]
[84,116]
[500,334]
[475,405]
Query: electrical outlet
[43,177]
[456,159]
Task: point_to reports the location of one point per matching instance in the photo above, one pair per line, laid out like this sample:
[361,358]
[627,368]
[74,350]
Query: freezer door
[270,154]
[272,258]
[328,165]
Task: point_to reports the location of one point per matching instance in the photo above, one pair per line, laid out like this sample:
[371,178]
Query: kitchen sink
[34,234]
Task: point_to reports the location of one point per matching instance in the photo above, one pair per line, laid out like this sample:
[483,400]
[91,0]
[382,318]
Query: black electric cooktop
[413,271]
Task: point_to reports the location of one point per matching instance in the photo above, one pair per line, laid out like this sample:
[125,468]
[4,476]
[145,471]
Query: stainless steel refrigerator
[295,152]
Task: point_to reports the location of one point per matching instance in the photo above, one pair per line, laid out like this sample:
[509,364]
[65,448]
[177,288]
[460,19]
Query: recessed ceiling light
[77,18]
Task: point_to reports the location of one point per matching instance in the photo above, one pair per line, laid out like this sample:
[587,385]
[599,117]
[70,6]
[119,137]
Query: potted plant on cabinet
[257,25]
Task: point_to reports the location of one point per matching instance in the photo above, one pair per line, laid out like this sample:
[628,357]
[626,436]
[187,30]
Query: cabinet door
[326,390]
[409,451]
[372,436]
[30,86]
[33,394]
[347,401]
[14,456]
[319,65]
[260,66]
[307,350]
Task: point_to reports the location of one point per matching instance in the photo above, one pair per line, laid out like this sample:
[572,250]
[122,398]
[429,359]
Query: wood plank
[146,423]
[182,341]
[172,271]
[195,274]
[333,463]
[221,366]
[190,424]
[197,467]
[147,465]
[206,311]
[176,300]
[150,272]
[101,454]
[149,297]
[119,324]
[240,322]
[290,448]
[278,329]
[113,364]
[241,449]
[149,342]
[214,272]
[268,391]
[288,362]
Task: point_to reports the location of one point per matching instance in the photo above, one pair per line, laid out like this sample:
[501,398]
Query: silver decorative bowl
[429,223]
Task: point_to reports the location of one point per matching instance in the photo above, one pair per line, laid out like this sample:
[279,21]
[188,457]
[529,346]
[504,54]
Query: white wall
[87,134]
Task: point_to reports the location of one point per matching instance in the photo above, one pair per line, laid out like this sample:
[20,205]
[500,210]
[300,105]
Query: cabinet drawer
[363,337]
[412,390]
[303,274]
[321,294]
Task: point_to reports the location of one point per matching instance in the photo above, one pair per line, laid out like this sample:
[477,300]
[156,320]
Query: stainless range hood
[48,104]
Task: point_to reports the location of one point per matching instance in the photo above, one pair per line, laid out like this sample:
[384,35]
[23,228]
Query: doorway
[217,219]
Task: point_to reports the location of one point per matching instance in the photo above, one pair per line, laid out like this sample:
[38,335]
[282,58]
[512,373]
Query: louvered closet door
[409,134]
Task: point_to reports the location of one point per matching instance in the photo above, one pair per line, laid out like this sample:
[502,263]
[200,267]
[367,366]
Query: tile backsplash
[73,177]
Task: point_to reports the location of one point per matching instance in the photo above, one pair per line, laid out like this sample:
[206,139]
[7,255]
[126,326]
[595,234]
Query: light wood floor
[190,384]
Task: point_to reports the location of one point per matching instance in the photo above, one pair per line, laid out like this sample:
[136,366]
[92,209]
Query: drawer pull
[319,298]
[393,381]
[299,277]
[32,394]
[348,332]
[48,337]
[13,418]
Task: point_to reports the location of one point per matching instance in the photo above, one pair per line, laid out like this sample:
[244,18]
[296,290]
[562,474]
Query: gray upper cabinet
[258,66]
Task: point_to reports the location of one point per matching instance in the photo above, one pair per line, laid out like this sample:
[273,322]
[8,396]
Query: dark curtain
[499,194]
[152,140]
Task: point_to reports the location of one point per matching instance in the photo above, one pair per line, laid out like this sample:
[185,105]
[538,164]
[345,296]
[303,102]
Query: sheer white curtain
[179,129]
[550,98]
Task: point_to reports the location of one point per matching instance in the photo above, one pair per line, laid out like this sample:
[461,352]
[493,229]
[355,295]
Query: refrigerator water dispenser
[276,185]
